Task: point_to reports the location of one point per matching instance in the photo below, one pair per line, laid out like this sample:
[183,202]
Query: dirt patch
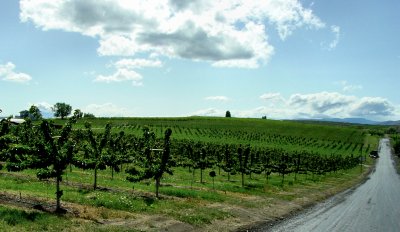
[148,223]
[103,217]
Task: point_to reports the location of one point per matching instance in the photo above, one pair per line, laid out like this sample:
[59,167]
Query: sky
[285,59]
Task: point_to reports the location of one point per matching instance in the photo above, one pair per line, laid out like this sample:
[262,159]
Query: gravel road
[373,206]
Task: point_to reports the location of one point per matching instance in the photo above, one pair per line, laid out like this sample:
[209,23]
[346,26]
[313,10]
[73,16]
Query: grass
[191,205]
[16,219]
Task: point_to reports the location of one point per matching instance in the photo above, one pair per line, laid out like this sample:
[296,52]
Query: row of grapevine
[50,150]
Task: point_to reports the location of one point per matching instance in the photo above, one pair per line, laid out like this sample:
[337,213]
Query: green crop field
[108,166]
[289,135]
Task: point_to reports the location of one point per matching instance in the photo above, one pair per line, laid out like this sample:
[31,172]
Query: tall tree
[61,110]
[34,113]
[228,114]
[78,114]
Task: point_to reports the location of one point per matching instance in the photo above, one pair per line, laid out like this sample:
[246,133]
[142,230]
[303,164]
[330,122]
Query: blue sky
[279,58]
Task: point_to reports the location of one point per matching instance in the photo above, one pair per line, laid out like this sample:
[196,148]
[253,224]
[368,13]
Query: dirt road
[373,206]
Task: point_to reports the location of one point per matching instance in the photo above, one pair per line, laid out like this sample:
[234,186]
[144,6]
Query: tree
[114,157]
[4,127]
[61,110]
[203,162]
[49,154]
[78,114]
[154,166]
[24,114]
[55,154]
[266,164]
[284,165]
[228,114]
[213,175]
[229,162]
[93,151]
[88,115]
[34,113]
[243,156]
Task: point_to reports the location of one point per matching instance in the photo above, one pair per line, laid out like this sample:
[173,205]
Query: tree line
[60,110]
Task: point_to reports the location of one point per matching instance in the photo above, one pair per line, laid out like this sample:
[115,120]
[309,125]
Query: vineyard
[96,162]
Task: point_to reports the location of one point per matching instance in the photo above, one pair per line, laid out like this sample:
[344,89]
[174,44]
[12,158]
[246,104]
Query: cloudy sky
[279,58]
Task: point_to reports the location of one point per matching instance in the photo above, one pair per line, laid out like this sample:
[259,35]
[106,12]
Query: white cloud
[372,106]
[351,88]
[329,103]
[336,32]
[346,87]
[117,46]
[121,75]
[217,98]
[316,105]
[7,73]
[209,112]
[137,63]
[227,33]
[44,106]
[125,71]
[108,110]
[271,97]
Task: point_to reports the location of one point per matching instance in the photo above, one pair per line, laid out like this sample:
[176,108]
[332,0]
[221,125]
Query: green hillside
[289,135]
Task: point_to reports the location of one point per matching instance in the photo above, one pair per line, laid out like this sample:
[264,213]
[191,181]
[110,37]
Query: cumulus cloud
[227,33]
[125,71]
[8,73]
[372,106]
[121,75]
[315,106]
[332,104]
[321,103]
[217,98]
[107,110]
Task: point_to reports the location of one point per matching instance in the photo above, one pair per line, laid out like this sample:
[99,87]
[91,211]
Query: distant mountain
[390,123]
[351,120]
[356,121]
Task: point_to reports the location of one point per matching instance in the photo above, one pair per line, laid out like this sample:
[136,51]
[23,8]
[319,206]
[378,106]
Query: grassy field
[289,135]
[185,203]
